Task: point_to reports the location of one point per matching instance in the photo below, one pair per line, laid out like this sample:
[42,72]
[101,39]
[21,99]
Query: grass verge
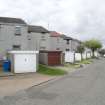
[86,61]
[43,69]
[79,63]
[74,65]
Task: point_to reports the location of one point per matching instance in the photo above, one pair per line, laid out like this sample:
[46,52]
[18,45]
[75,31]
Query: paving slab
[12,84]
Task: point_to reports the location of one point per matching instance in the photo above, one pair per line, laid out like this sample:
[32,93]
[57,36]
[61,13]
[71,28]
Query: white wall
[24,61]
[88,55]
[77,57]
[69,57]
[96,54]
[84,55]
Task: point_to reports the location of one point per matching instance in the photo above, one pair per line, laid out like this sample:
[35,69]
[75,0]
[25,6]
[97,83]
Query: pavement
[85,86]
[12,84]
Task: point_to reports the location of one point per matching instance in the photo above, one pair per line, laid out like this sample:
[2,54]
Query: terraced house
[48,43]
[51,44]
[38,38]
[41,39]
[13,35]
[16,34]
[69,43]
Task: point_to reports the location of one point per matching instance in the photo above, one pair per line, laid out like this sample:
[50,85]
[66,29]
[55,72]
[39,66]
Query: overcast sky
[82,19]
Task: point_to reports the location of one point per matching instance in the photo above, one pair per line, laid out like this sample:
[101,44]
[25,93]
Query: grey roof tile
[66,37]
[11,20]
[38,29]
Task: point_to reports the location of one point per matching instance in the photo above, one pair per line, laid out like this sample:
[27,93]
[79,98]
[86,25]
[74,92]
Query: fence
[71,57]
[84,55]
[78,57]
[88,55]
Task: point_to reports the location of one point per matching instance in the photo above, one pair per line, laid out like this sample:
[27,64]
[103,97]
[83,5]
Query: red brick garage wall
[54,58]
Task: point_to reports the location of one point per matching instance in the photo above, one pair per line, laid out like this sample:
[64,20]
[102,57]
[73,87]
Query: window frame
[17,30]
[67,42]
[16,47]
[67,49]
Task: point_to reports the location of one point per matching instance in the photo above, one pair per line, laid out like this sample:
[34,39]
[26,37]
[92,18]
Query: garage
[54,58]
[23,61]
[50,57]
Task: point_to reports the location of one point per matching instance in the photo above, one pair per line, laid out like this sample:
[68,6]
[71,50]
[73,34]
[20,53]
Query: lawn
[43,69]
[50,71]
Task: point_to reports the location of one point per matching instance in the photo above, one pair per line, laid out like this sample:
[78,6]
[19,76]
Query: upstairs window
[0,26]
[18,30]
[29,38]
[67,42]
[58,40]
[67,49]
[43,38]
[43,32]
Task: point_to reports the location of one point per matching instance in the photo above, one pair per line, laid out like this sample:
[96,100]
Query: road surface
[83,87]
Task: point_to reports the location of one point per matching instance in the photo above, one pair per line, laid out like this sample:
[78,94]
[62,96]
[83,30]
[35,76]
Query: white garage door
[25,63]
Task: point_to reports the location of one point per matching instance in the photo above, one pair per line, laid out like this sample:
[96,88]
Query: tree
[94,45]
[81,49]
[102,52]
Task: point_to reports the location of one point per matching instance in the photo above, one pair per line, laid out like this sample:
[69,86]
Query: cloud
[82,19]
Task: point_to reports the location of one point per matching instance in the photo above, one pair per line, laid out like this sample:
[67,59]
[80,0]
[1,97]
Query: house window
[0,26]
[67,49]
[43,39]
[29,39]
[43,32]
[57,40]
[16,47]
[68,42]
[18,30]
[43,36]
[57,48]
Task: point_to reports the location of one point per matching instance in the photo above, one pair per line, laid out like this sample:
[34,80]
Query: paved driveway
[84,87]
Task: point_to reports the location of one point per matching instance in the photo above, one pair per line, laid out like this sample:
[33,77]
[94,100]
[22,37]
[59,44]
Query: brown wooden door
[54,58]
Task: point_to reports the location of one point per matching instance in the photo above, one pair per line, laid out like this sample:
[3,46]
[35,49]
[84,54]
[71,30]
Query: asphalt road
[83,87]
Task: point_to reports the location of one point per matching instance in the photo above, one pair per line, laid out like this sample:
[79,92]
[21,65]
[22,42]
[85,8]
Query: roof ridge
[12,20]
[35,28]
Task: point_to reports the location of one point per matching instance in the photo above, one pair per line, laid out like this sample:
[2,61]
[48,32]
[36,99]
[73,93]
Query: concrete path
[83,87]
[12,84]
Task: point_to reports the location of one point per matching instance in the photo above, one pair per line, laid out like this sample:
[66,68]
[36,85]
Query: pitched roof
[11,20]
[66,37]
[38,29]
[54,34]
[77,40]
[70,38]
